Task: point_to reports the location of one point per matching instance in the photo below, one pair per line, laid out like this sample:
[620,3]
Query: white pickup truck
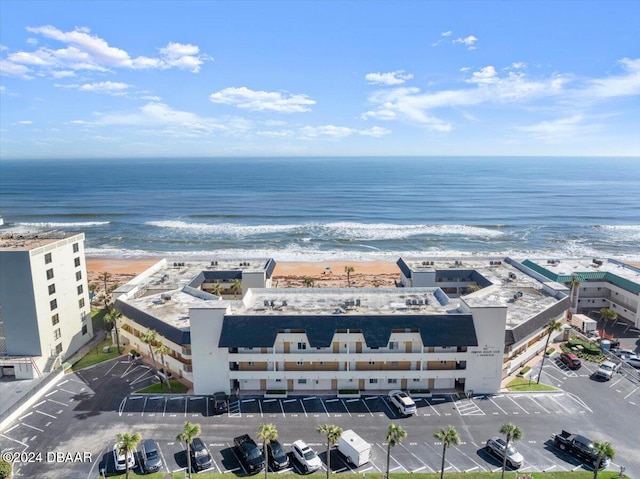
[607,369]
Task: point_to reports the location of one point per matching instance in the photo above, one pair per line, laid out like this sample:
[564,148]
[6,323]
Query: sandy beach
[325,274]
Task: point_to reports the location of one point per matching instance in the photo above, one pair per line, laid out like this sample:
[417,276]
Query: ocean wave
[75,224]
[292,252]
[338,230]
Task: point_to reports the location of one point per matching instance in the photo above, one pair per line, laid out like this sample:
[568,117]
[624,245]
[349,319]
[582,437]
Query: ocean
[296,209]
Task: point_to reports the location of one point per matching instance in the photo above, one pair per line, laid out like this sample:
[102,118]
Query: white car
[632,360]
[305,456]
[607,369]
[120,461]
[497,448]
[403,402]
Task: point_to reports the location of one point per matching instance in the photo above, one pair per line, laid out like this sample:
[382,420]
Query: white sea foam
[339,230]
[79,224]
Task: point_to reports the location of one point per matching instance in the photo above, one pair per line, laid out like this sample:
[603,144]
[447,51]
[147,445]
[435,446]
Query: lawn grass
[97,318]
[160,388]
[96,355]
[522,384]
[448,475]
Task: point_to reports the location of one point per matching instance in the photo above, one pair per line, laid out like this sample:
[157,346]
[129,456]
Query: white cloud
[334,132]
[24,122]
[253,100]
[446,34]
[106,87]
[32,41]
[518,65]
[415,106]
[468,41]
[8,68]
[62,74]
[3,89]
[151,98]
[84,51]
[276,133]
[620,85]
[376,132]
[557,129]
[390,78]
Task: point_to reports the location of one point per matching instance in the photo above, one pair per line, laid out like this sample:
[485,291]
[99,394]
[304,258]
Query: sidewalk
[531,363]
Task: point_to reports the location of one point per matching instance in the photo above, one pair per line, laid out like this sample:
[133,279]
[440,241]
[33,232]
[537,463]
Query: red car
[571,360]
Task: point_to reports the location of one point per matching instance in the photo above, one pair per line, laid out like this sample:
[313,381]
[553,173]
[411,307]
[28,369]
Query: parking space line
[345,406]
[616,382]
[420,460]
[400,466]
[51,393]
[526,412]
[324,407]
[539,404]
[282,408]
[111,368]
[365,405]
[382,398]
[496,405]
[631,392]
[58,402]
[558,403]
[67,391]
[470,458]
[580,401]
[260,407]
[45,414]
[304,409]
[32,427]
[431,406]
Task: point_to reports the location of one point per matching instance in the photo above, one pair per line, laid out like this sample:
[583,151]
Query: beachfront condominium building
[44,302]
[477,322]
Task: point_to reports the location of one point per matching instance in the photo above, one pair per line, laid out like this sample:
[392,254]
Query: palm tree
[395,435]
[217,289]
[104,277]
[333,433]
[575,285]
[127,442]
[552,326]
[236,286]
[449,437]
[149,338]
[112,318]
[608,315]
[268,433]
[603,449]
[187,435]
[308,281]
[161,349]
[513,433]
[349,270]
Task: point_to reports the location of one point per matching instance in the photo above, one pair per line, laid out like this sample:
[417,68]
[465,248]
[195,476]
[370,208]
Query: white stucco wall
[210,363]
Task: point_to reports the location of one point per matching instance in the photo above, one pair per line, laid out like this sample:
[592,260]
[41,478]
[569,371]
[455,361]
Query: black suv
[200,457]
[278,458]
[219,403]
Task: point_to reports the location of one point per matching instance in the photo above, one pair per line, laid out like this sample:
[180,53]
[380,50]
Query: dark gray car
[151,460]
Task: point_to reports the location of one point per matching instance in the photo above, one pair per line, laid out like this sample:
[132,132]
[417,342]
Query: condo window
[57,333]
[55,319]
[50,274]
[76,261]
[81,303]
[47,258]
[372,362]
[58,348]
[76,248]
[78,275]
[53,304]
[393,345]
[392,381]
[373,381]
[302,345]
[84,329]
[52,289]
[80,289]
[302,381]
[415,380]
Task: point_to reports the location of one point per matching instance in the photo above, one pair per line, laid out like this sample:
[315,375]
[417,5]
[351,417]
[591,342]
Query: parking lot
[84,412]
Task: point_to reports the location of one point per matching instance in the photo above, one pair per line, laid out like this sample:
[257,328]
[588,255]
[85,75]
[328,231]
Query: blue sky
[125,79]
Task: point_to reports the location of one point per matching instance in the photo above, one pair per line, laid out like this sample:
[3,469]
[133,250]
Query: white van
[403,402]
[354,448]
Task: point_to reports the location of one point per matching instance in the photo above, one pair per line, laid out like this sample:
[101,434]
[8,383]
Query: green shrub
[524,370]
[5,469]
[550,351]
[348,391]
